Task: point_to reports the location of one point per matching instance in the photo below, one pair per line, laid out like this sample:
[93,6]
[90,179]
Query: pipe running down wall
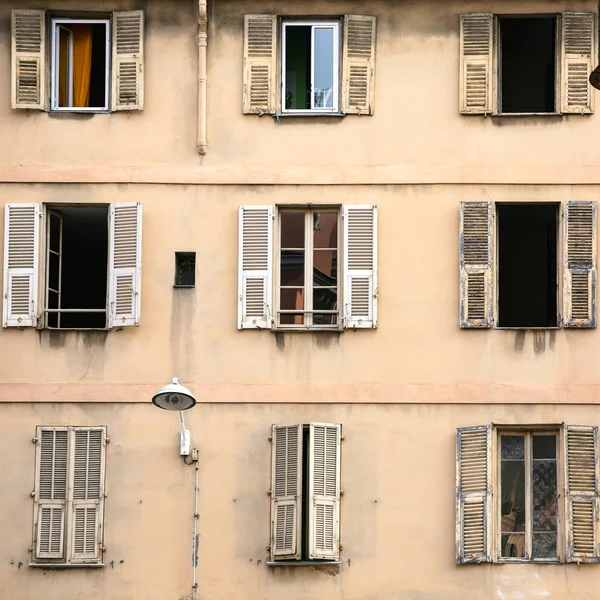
[202,44]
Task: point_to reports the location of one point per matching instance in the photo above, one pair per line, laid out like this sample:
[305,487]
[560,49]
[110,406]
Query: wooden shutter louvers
[578,33]
[128,60]
[476,43]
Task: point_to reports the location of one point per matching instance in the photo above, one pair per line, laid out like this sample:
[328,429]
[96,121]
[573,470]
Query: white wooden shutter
[21,256]
[358,65]
[255,266]
[581,443]
[286,492]
[473,494]
[125,263]
[260,64]
[324,491]
[476,269]
[360,266]
[87,489]
[476,53]
[127,60]
[50,493]
[28,59]
[579,264]
[578,34]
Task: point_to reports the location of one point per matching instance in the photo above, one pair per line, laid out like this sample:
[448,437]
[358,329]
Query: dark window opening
[528,65]
[77,265]
[297,68]
[527,265]
[185,269]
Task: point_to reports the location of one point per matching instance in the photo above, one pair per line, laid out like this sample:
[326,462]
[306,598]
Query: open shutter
[473,494]
[260,60]
[87,486]
[576,62]
[358,65]
[28,59]
[125,278]
[581,443]
[128,60]
[21,245]
[579,264]
[476,52]
[255,267]
[50,492]
[476,271]
[324,491]
[360,266]
[286,492]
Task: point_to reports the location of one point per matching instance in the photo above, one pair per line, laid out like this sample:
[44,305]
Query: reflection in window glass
[513,496]
[544,495]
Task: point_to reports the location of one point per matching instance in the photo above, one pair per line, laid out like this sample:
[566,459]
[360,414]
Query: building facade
[363,236]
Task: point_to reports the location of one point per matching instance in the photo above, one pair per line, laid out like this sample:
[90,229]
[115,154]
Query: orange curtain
[82,64]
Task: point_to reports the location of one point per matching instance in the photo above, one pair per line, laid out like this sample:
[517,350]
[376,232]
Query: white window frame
[308,270]
[335,25]
[55,56]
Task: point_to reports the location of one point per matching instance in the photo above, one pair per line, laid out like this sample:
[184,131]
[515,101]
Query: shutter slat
[476,43]
[128,60]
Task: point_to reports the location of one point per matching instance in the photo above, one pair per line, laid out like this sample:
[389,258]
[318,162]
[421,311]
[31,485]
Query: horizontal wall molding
[498,174]
[284,393]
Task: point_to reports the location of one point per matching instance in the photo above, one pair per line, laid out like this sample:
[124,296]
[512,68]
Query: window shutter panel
[125,278]
[324,491]
[476,272]
[476,45]
[50,492]
[576,64]
[128,60]
[28,62]
[579,264]
[21,256]
[358,64]
[581,443]
[473,494]
[255,267]
[286,492]
[87,488]
[260,60]
[360,266]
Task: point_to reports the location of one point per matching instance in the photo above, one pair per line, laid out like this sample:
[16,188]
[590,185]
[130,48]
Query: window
[310,66]
[537,515]
[185,269]
[69,496]
[312,72]
[321,255]
[92,64]
[91,263]
[305,492]
[526,64]
[509,255]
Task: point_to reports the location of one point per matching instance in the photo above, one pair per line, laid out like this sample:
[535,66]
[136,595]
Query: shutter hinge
[269,493]
[32,494]
[34,440]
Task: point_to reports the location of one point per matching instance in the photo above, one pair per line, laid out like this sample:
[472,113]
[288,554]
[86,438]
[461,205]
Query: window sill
[81,111]
[309,113]
[555,328]
[534,114]
[303,563]
[307,330]
[37,565]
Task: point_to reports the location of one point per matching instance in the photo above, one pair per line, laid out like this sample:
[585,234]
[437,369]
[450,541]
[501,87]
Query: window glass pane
[324,267]
[325,229]
[544,496]
[297,67]
[544,446]
[513,447]
[292,267]
[324,319]
[291,319]
[544,545]
[54,271]
[292,299]
[513,496]
[323,75]
[292,229]
[325,299]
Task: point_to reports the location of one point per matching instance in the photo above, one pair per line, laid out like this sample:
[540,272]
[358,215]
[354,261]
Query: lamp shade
[174,397]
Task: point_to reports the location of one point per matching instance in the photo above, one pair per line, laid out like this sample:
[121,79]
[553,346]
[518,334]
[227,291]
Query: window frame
[314,24]
[308,312]
[55,23]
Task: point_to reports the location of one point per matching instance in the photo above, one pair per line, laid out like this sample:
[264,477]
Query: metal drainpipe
[195,540]
[202,44]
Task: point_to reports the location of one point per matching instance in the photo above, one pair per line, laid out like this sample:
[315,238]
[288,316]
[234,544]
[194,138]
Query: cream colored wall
[397,516]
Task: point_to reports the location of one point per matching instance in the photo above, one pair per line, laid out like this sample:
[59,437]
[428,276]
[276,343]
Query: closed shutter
[260,60]
[50,492]
[476,270]
[128,60]
[476,53]
[87,487]
[360,266]
[581,443]
[286,492]
[576,62]
[28,59]
[125,278]
[579,264]
[473,494]
[324,491]
[358,65]
[255,266]
[21,249]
